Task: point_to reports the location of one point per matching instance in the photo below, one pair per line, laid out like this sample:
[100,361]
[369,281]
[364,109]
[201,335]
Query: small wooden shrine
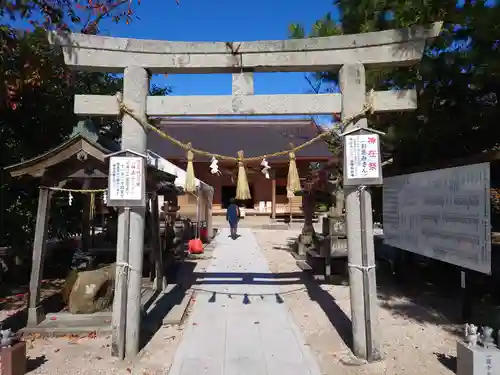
[80,163]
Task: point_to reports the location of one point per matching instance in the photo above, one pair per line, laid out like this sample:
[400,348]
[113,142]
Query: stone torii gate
[348,54]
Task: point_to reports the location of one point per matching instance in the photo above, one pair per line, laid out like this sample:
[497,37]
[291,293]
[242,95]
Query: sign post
[127,179]
[126,190]
[363,168]
[362,160]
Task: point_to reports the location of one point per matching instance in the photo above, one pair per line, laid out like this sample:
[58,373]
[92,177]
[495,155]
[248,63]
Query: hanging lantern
[70,199]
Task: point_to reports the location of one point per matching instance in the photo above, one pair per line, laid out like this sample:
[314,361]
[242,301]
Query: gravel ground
[415,342]
[411,346]
[87,355]
[16,300]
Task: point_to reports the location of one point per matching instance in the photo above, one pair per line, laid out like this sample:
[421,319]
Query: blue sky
[222,20]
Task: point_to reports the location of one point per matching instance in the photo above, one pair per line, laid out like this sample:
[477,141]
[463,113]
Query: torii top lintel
[108,54]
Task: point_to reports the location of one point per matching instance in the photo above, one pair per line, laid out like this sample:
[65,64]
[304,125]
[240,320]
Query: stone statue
[7,338]
[471,335]
[487,337]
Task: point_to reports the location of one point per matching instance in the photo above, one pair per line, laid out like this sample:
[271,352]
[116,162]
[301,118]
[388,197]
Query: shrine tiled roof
[227,136]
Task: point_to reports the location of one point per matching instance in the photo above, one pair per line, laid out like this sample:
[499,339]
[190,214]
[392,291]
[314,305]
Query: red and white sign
[362,156]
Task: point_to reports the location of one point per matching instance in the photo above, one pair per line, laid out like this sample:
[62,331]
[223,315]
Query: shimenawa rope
[293,182]
[242,189]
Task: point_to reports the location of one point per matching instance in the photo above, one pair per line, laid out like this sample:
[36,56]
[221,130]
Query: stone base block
[477,360]
[13,359]
[36,315]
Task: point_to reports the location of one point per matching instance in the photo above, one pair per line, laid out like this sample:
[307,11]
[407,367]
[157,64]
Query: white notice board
[126,181]
[362,156]
[442,214]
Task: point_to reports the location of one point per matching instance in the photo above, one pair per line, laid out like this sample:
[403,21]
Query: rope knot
[121,105]
[291,153]
[241,157]
[368,107]
[190,154]
[119,97]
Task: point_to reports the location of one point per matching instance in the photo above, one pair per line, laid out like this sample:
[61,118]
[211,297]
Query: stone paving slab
[225,336]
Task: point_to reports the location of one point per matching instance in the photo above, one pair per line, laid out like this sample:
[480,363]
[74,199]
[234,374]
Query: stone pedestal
[338,238]
[477,360]
[325,225]
[338,247]
[13,359]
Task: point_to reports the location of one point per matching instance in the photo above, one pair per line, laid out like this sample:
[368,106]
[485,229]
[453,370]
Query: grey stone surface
[176,314]
[218,105]
[353,86]
[87,41]
[134,138]
[228,337]
[477,360]
[393,47]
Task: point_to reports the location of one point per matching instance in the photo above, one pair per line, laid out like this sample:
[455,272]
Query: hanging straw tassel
[92,206]
[293,183]
[190,185]
[242,189]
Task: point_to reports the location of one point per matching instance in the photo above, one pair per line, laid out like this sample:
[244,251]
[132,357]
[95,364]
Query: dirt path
[411,346]
[415,338]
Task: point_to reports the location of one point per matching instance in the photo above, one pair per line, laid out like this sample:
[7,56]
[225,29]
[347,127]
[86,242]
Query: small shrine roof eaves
[57,155]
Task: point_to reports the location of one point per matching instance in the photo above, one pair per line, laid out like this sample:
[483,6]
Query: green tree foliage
[458,80]
[81,15]
[36,104]
[39,117]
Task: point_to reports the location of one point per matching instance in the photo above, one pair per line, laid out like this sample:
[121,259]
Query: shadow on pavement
[33,363]
[198,280]
[340,321]
[416,298]
[181,276]
[18,320]
[448,361]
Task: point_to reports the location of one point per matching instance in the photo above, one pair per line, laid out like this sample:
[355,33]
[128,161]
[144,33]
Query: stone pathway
[225,335]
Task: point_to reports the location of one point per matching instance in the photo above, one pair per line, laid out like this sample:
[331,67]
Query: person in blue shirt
[233,216]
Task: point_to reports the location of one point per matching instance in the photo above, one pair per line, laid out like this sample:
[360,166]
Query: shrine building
[255,137]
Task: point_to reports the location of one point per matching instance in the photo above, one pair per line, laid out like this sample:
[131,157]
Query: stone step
[313,253]
[303,265]
[178,311]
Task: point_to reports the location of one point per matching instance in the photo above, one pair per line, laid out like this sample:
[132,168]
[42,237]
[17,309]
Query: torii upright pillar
[134,138]
[366,345]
